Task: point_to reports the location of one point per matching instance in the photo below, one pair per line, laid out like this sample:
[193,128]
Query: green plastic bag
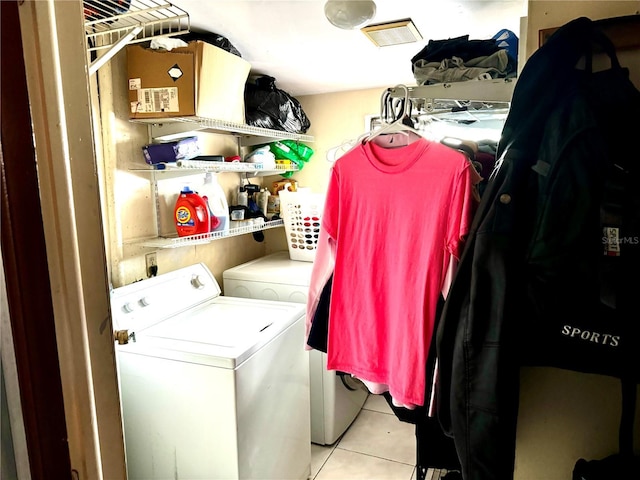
[297,152]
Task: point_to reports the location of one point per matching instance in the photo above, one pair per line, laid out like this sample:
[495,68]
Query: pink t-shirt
[396,215]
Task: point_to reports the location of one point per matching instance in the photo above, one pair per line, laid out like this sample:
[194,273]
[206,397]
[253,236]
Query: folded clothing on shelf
[168,152]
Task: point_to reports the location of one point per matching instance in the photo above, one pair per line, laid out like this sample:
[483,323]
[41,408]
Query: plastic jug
[263,200]
[217,200]
[191,214]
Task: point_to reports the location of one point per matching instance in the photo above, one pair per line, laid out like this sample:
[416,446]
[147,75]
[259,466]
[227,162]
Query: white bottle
[262,200]
[273,206]
[217,202]
[243,197]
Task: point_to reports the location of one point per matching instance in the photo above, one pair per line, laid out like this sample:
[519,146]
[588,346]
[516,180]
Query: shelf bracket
[119,45]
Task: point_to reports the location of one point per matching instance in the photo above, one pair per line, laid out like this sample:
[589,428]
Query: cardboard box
[198,80]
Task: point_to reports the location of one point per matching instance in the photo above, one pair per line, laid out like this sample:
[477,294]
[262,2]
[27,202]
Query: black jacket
[532,255]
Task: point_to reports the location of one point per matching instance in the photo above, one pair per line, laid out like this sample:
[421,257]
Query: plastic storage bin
[301,212]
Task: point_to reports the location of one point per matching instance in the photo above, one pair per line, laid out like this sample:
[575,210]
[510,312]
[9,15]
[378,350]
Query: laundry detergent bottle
[217,201]
[191,214]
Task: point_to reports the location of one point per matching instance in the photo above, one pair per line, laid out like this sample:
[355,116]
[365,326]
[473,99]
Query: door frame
[74,265]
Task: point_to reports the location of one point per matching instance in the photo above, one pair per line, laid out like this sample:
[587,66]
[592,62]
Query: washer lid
[275,268]
[223,332]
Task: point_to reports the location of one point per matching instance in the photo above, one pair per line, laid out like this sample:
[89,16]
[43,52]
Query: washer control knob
[145,301]
[128,307]
[198,282]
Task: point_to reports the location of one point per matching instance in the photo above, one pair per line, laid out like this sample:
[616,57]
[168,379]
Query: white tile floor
[377,446]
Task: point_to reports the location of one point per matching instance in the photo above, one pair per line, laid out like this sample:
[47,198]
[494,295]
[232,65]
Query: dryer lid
[275,268]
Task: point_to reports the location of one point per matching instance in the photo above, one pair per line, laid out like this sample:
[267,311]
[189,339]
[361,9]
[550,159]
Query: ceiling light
[392,33]
[349,14]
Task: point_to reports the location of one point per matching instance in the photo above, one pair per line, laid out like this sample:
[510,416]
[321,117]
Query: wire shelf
[495,90]
[220,167]
[202,239]
[221,126]
[109,21]
[191,167]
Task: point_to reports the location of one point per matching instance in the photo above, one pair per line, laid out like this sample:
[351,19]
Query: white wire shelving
[248,135]
[204,238]
[110,25]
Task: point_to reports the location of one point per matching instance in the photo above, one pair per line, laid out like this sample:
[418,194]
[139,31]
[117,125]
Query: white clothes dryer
[336,399]
[212,387]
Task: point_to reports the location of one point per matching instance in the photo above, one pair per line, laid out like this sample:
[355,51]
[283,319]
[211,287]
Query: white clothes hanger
[335,153]
[401,124]
[391,124]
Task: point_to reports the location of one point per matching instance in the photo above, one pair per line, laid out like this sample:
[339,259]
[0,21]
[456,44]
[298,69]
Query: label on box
[154,100]
[135,84]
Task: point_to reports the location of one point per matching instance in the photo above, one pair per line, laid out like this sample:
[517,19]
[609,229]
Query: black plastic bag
[214,39]
[266,106]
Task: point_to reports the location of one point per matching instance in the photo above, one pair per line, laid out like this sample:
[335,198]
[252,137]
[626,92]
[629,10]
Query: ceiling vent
[396,32]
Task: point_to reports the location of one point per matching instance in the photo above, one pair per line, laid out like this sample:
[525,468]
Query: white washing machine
[335,400]
[212,387]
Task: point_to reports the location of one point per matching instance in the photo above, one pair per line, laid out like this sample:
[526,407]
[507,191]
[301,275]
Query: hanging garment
[531,264]
[319,328]
[433,448]
[396,217]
